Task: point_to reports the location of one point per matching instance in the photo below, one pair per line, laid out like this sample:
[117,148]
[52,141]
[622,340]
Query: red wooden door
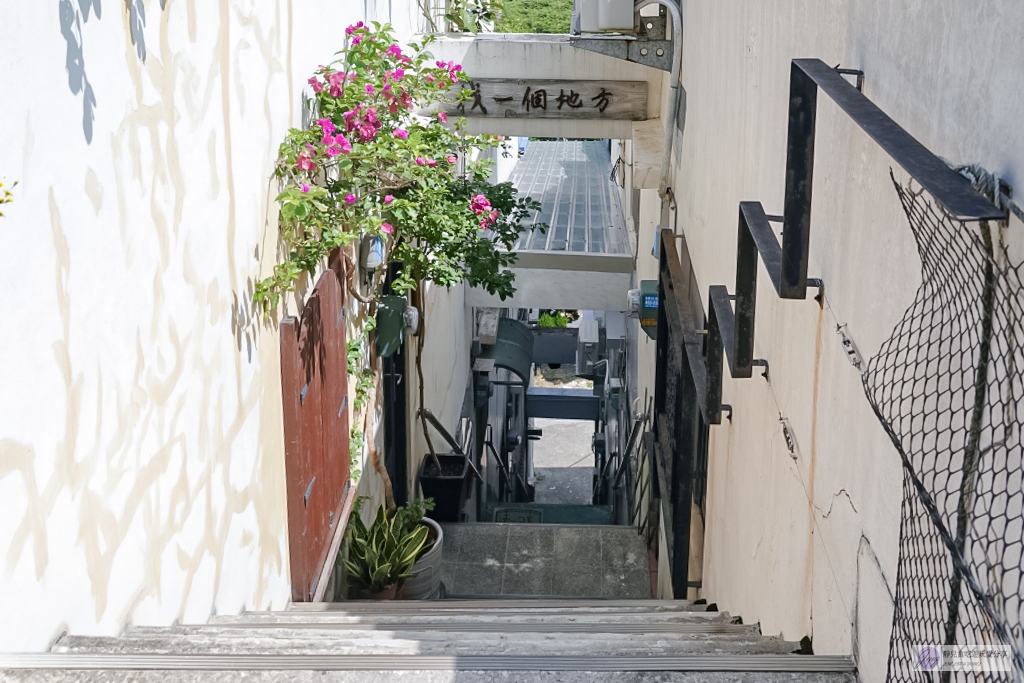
[314,387]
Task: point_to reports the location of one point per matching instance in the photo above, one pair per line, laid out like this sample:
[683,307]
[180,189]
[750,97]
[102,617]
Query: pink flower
[366,131]
[369,89]
[387,227]
[405,99]
[351,118]
[356,40]
[420,161]
[430,79]
[350,199]
[394,51]
[327,127]
[431,163]
[483,224]
[442,117]
[317,85]
[399,75]
[401,133]
[333,151]
[479,204]
[342,142]
[336,82]
[305,162]
[389,198]
[353,27]
[452,159]
[493,215]
[305,189]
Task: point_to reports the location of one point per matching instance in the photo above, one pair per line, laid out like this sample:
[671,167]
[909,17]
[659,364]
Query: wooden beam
[510,98]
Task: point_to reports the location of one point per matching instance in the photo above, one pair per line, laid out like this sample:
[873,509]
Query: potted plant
[443,478]
[381,557]
[425,578]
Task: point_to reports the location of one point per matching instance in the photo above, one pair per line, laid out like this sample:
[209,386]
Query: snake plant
[383,554]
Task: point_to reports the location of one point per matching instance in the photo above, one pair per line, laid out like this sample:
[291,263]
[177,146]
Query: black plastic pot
[447,490]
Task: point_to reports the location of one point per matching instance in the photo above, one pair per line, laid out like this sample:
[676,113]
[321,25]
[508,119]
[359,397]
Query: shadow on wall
[71,28]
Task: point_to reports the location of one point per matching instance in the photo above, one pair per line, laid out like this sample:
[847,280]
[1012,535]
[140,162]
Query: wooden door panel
[314,386]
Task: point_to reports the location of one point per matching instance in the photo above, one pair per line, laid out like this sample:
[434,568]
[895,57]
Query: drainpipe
[673,102]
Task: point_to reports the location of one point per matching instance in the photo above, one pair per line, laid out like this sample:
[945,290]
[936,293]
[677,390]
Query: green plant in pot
[381,556]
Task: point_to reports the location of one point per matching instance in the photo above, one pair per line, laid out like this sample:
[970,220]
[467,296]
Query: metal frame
[786,264]
[683,404]
[650,47]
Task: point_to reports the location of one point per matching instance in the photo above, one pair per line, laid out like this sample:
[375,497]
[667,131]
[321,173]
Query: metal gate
[680,432]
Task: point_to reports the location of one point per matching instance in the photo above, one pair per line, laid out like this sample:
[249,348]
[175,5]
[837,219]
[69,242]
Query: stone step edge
[488,604]
[493,627]
[468,617]
[303,662]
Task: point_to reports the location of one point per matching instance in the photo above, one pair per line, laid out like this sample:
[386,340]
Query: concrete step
[508,617]
[582,605]
[212,640]
[55,668]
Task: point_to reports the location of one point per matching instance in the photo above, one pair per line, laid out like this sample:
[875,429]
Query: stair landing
[587,561]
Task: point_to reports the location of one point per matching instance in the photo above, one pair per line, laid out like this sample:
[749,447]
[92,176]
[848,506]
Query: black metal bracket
[651,46]
[852,72]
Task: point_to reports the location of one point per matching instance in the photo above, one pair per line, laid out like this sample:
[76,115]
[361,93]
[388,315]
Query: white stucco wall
[141,454]
[810,547]
[448,334]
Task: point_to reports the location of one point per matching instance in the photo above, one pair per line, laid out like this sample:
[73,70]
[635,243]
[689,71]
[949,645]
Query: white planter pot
[426,573]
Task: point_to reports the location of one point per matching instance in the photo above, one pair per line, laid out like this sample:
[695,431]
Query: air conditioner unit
[633,303]
[587,10]
[604,15]
[615,15]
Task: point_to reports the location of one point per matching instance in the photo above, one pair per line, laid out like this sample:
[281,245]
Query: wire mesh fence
[947,387]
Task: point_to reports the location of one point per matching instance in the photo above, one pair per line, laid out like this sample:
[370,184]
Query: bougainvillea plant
[374,162]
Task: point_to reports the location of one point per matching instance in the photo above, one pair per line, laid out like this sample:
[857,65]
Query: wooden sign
[547,99]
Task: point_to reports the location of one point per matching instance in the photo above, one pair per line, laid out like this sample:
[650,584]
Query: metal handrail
[450,439]
[488,435]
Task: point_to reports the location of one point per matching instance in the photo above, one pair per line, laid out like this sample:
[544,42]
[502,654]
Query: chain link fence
[948,387]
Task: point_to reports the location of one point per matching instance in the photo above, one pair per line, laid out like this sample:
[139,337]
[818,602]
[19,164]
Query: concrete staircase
[463,641]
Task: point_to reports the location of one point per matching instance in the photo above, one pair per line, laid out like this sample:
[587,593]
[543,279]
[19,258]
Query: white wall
[810,547]
[448,334]
[141,454]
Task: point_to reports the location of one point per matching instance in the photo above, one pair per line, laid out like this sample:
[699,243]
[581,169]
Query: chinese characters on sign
[513,98]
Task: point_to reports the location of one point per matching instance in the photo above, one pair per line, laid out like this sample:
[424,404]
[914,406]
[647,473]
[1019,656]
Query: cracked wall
[809,546]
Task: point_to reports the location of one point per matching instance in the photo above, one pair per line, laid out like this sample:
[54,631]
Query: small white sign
[487,325]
